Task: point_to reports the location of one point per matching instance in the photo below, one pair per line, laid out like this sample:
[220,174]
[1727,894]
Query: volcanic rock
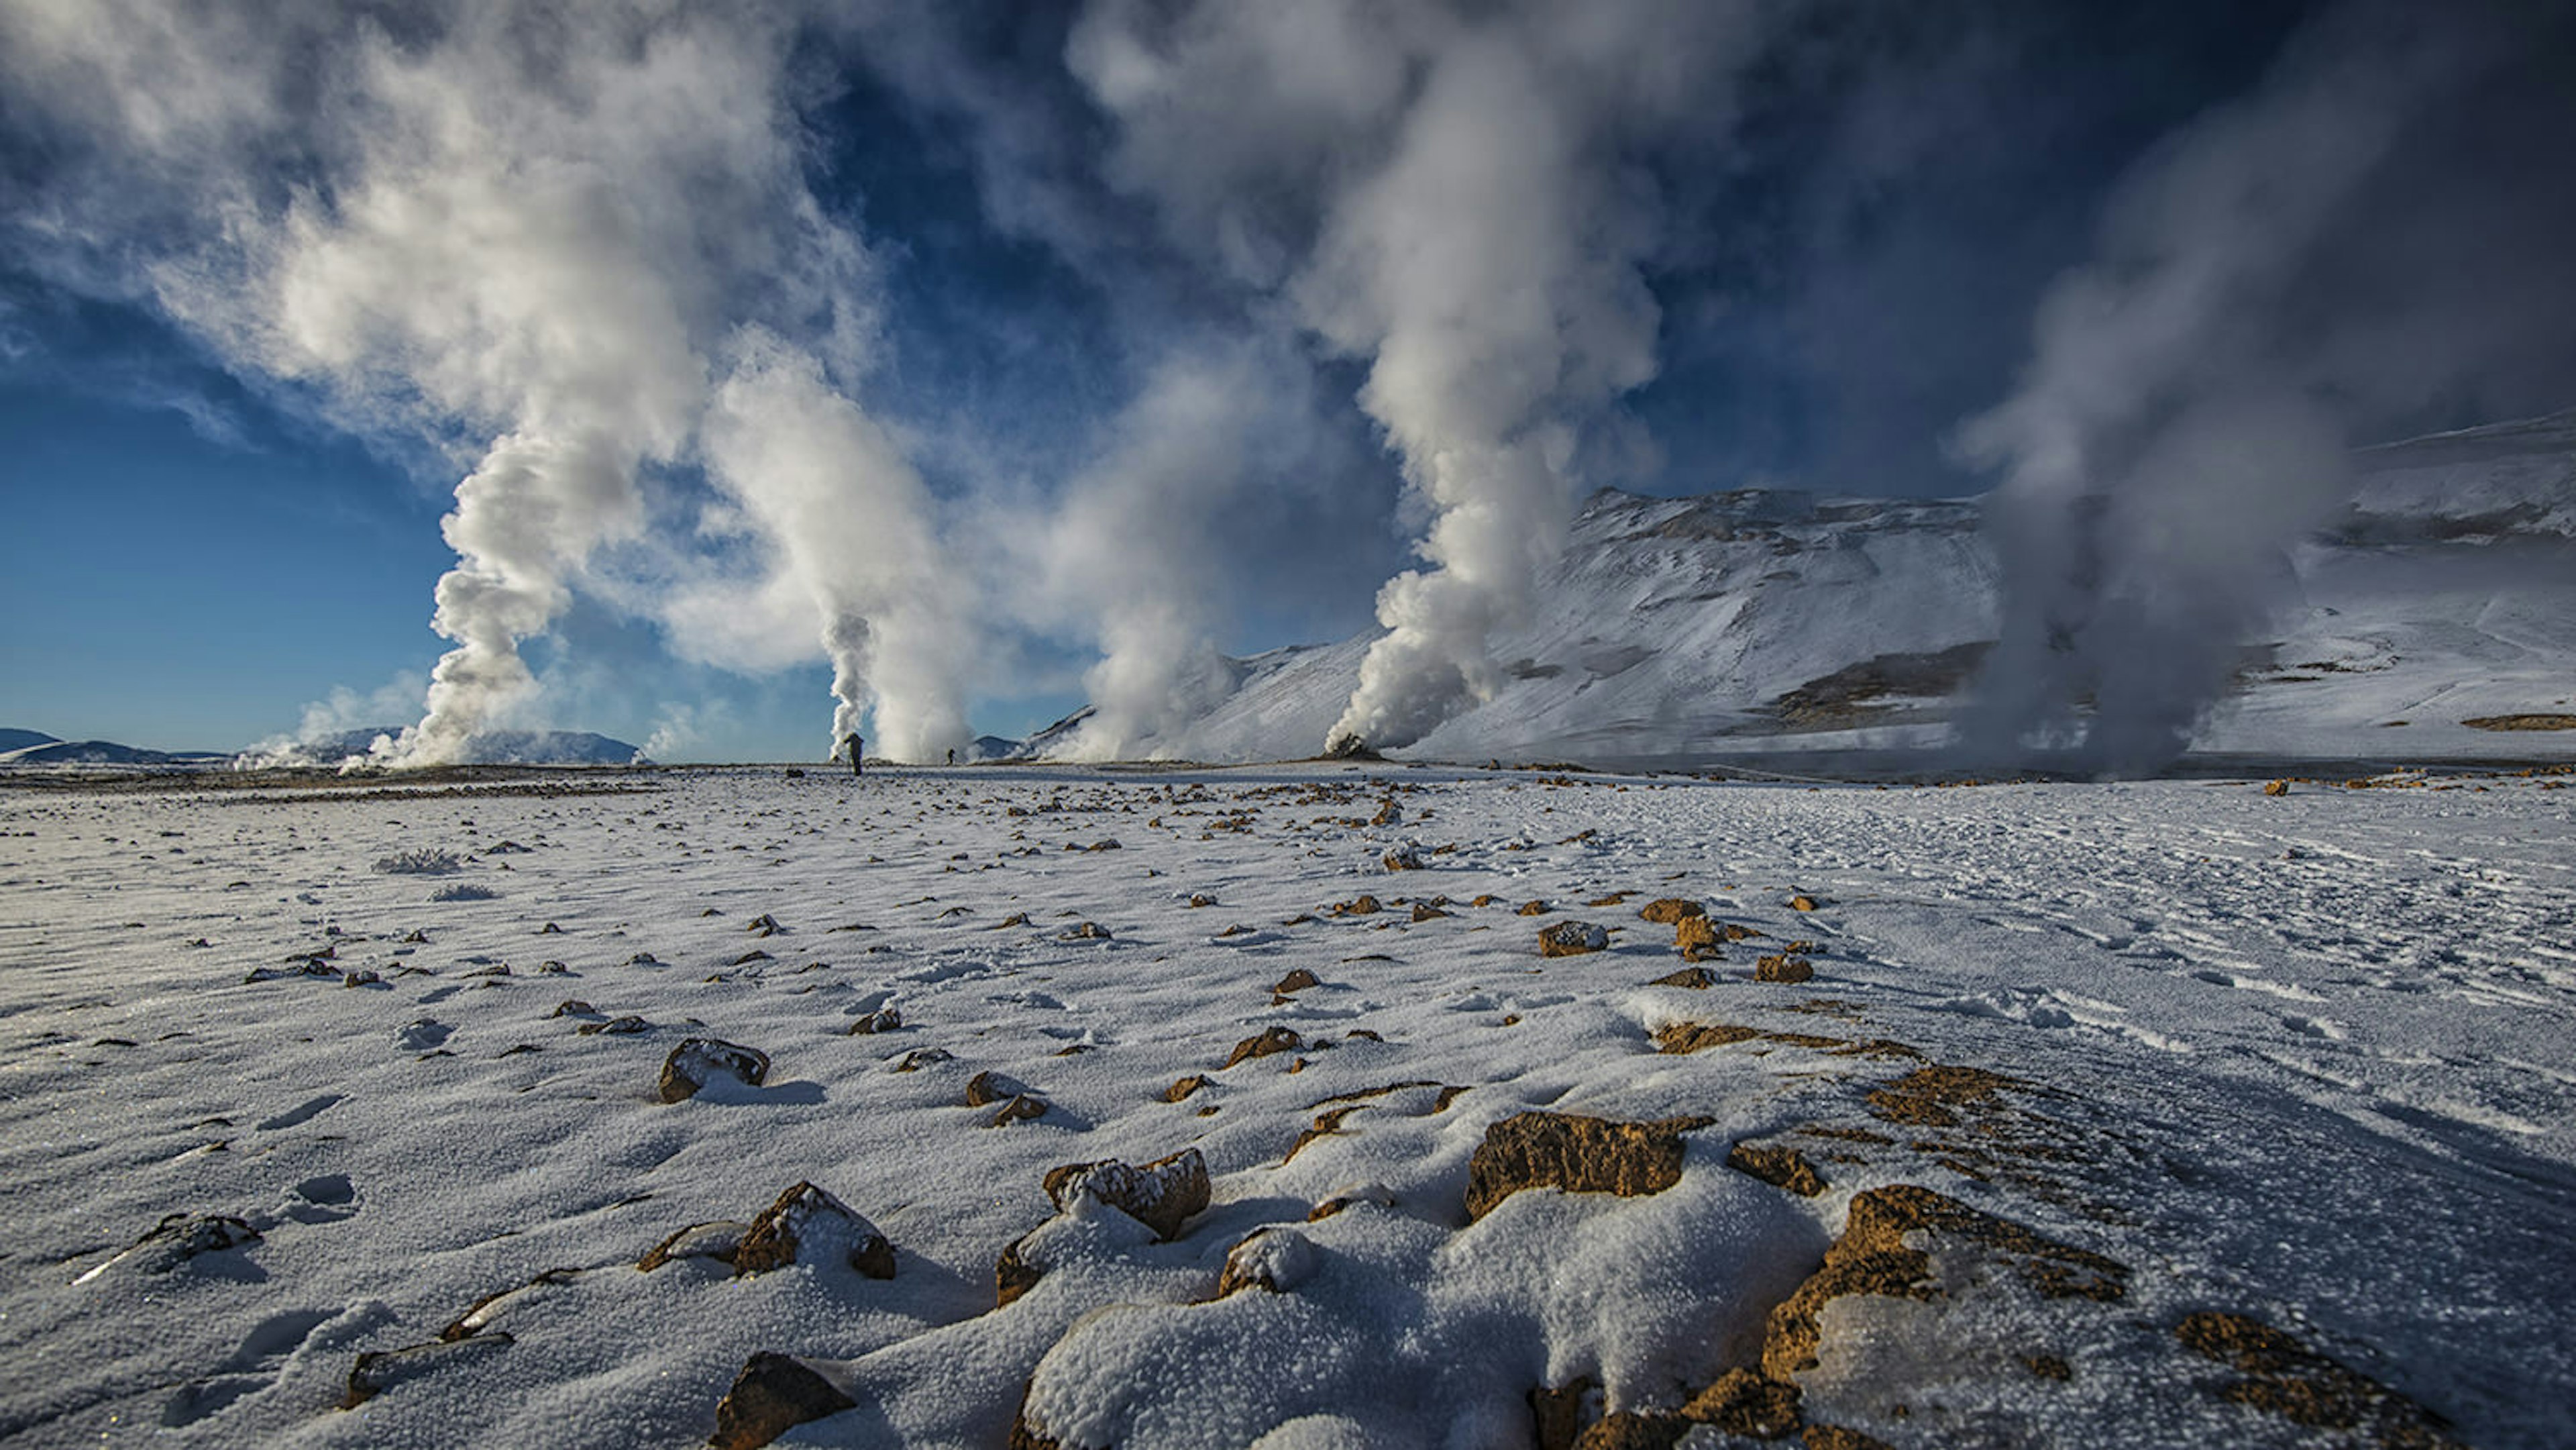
[1160,1195]
[714,1240]
[1571,939]
[1271,1041]
[1577,1154]
[700,1060]
[809,1226]
[773,1394]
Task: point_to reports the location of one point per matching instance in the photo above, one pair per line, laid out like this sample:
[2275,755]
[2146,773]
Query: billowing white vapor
[2282,267]
[1439,189]
[850,523]
[522,230]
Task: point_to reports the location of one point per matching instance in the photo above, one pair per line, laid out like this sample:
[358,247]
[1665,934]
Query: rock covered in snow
[1160,1195]
[1270,1042]
[807,1225]
[716,1240]
[1571,939]
[176,1239]
[381,1370]
[700,1060]
[1273,1260]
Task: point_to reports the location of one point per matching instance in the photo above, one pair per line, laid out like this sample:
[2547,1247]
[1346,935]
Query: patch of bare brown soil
[2522,722]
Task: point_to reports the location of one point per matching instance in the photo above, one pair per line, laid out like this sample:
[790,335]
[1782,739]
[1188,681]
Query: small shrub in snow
[428,861]
[464,891]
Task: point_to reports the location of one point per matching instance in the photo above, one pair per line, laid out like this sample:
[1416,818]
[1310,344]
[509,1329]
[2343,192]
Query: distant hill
[491,747]
[21,739]
[100,752]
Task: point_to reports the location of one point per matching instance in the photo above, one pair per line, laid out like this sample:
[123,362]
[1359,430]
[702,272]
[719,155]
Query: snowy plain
[2302,1058]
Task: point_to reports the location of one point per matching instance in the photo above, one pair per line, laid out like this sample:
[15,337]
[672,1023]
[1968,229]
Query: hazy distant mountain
[21,739]
[1764,620]
[490,747]
[49,751]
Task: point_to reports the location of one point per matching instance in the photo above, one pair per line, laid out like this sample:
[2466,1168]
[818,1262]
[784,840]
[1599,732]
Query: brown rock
[1682,1037]
[2280,1376]
[1534,908]
[1695,937]
[1695,978]
[1562,1413]
[478,1316]
[1780,1167]
[1488,899]
[1273,1260]
[1273,1040]
[921,1057]
[1744,1403]
[1669,910]
[869,1024]
[379,1371]
[1571,939]
[773,1394]
[1783,968]
[698,1060]
[1296,981]
[716,1240]
[1735,932]
[1013,1275]
[2276,787]
[1804,903]
[1161,1195]
[808,1225]
[985,1089]
[1358,906]
[1022,1108]
[1425,911]
[1186,1086]
[1926,1097]
[1872,1257]
[1576,1154]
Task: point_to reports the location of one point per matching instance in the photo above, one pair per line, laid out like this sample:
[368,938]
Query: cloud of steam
[850,526]
[523,233]
[2320,260]
[1144,540]
[1440,190]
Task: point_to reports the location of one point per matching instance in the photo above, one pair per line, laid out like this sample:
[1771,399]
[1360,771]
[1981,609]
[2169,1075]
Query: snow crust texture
[2160,1113]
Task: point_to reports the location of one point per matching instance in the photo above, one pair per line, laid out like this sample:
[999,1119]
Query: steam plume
[851,526]
[1437,190]
[2288,272]
[520,233]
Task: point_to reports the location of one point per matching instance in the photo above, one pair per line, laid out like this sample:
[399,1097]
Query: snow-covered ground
[2246,1119]
[1761,622]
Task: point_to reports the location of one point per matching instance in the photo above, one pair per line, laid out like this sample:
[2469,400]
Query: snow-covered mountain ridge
[1764,620]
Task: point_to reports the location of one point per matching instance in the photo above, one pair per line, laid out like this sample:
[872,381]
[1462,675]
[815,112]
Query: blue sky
[1122,344]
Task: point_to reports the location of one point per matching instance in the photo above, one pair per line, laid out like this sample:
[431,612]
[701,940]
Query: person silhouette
[952,755]
[858,754]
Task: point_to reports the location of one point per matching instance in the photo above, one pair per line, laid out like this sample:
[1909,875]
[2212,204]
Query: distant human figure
[952,755]
[858,755]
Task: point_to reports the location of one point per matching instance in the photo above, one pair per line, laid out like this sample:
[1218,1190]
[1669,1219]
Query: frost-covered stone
[773,1393]
[176,1239]
[714,1240]
[698,1061]
[1571,939]
[1783,968]
[378,1372]
[1407,857]
[1160,1195]
[1274,1260]
[807,1225]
